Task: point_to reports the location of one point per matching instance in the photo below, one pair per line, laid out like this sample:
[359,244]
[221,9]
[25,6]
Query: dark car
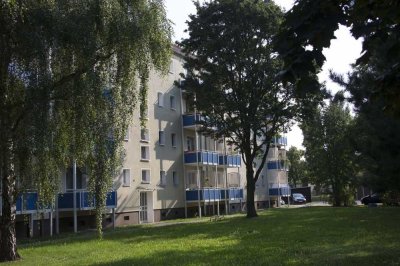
[298,198]
[374,198]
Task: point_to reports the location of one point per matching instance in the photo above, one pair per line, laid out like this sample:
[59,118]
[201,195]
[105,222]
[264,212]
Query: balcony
[279,165]
[27,202]
[279,141]
[201,157]
[230,160]
[281,191]
[84,201]
[190,120]
[214,194]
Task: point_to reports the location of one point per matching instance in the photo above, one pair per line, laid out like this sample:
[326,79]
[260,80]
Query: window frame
[124,184]
[148,153]
[149,176]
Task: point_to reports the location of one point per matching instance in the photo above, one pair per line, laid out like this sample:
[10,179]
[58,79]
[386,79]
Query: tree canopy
[297,167]
[232,69]
[329,153]
[309,27]
[70,74]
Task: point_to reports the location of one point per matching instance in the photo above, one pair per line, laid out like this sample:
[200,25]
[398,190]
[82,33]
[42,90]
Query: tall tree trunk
[251,186]
[8,241]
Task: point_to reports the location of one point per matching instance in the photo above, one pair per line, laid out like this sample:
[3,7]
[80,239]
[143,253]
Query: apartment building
[171,170]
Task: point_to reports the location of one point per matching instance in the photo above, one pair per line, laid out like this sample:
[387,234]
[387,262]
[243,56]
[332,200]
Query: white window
[173,140]
[171,67]
[163,178]
[144,135]
[191,179]
[175,180]
[145,176]
[172,102]
[190,143]
[126,137]
[161,137]
[126,177]
[160,99]
[145,153]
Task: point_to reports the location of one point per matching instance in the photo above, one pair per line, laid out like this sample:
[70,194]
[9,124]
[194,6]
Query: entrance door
[143,208]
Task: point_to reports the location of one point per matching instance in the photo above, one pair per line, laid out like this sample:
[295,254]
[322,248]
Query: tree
[70,72]
[375,133]
[231,69]
[309,27]
[329,153]
[297,167]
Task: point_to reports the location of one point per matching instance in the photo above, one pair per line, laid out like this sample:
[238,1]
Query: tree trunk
[8,241]
[251,185]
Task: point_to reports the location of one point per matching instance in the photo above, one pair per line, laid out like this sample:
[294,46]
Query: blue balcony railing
[282,191]
[191,120]
[28,202]
[214,194]
[277,165]
[201,157]
[280,141]
[84,201]
[230,160]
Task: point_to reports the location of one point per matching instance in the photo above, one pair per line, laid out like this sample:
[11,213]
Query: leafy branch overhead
[309,27]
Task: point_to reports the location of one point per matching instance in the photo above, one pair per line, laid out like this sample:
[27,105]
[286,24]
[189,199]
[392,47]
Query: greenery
[309,27]
[70,74]
[232,69]
[329,153]
[301,236]
[298,173]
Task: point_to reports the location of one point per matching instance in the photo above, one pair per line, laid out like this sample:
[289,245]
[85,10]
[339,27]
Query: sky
[344,50]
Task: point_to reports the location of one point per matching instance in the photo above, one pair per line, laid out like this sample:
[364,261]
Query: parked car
[298,198]
[374,198]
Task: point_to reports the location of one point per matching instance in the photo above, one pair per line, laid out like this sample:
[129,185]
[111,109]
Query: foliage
[375,133]
[329,153]
[346,236]
[297,167]
[231,70]
[68,87]
[309,27]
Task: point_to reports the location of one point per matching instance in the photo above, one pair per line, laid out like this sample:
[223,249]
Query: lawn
[315,235]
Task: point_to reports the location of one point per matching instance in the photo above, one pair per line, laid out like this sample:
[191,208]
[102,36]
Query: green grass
[302,236]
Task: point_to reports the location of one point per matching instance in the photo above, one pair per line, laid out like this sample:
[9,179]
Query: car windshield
[298,195]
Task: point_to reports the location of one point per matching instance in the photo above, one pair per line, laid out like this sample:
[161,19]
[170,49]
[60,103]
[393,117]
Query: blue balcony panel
[281,141]
[282,191]
[277,165]
[230,160]
[214,194]
[191,120]
[203,157]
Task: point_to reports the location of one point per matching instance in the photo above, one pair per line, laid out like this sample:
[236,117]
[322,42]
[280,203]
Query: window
[126,177]
[171,67]
[81,178]
[263,180]
[145,153]
[163,178]
[144,135]
[145,176]
[172,102]
[126,137]
[175,180]
[160,99]
[190,143]
[173,140]
[191,179]
[161,138]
